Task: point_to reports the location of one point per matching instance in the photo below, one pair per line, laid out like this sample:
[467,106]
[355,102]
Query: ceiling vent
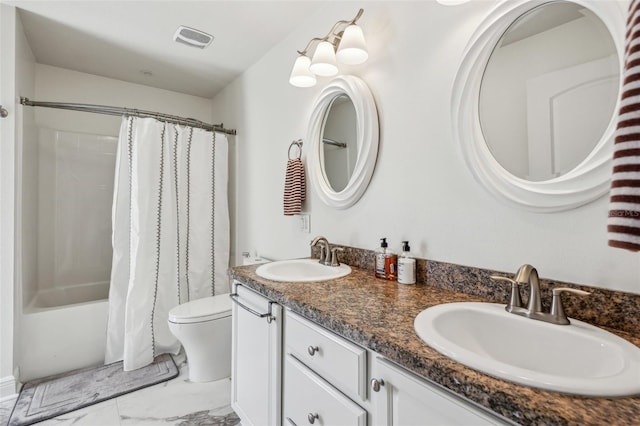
[192,37]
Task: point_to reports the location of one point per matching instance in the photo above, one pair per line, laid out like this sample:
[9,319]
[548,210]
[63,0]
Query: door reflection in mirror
[549,91]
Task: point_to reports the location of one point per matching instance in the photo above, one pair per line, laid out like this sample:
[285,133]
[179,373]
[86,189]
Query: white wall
[61,85]
[421,190]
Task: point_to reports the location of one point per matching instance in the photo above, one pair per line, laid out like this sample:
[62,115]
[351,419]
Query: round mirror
[549,90]
[535,97]
[339,144]
[343,132]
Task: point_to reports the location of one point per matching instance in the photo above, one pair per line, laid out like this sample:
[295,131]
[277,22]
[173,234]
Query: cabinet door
[309,399]
[403,399]
[256,358]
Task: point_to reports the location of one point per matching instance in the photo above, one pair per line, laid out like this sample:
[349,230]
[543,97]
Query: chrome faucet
[325,254]
[328,257]
[528,275]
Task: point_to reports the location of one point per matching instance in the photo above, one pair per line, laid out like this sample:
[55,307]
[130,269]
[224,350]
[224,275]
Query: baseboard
[8,388]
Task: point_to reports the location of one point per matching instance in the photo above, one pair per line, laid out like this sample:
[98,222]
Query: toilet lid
[205,309]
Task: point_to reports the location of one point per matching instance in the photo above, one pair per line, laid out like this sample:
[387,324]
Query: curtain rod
[109,110]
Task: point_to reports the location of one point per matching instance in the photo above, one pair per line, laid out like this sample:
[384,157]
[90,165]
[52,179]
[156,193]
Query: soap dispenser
[406,265]
[386,262]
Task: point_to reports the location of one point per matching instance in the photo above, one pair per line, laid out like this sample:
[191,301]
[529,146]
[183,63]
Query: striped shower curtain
[170,233]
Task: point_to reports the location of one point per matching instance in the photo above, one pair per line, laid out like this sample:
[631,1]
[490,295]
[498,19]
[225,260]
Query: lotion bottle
[386,262]
[406,266]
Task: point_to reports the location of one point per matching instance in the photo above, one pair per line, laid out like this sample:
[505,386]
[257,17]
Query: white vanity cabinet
[289,371]
[401,398]
[256,358]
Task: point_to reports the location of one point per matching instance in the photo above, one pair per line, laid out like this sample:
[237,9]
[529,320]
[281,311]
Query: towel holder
[297,143]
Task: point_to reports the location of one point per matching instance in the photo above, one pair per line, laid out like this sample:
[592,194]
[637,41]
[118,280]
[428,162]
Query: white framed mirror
[534,101]
[343,133]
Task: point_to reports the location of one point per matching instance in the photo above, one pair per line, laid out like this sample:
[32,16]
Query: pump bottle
[386,262]
[406,266]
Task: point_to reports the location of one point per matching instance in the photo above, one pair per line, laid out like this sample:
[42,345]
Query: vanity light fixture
[345,44]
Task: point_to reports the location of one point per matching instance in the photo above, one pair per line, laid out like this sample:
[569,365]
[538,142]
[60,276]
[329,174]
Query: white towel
[623,224]
[294,187]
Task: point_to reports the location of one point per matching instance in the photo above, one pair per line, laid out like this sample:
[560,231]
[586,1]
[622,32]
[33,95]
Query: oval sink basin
[578,359]
[301,270]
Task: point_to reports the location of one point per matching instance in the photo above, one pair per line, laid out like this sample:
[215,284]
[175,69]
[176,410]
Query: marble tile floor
[177,402]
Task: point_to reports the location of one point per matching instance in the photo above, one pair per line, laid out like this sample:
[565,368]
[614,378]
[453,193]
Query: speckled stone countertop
[379,314]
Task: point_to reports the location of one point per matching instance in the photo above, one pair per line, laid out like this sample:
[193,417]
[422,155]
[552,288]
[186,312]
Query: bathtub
[63,329]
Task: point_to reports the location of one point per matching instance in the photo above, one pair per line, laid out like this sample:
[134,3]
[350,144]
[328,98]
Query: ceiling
[127,40]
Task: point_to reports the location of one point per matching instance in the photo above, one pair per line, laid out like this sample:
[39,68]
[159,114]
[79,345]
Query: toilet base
[208,352]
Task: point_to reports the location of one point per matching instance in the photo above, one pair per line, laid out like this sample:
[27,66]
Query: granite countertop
[379,314]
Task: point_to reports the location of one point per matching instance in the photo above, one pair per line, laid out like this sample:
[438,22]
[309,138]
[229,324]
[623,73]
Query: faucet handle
[323,256]
[334,256]
[557,311]
[515,301]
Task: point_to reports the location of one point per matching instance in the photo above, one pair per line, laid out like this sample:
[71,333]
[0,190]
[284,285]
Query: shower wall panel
[76,174]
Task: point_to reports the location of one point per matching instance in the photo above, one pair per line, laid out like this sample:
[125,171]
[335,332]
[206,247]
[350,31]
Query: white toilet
[203,326]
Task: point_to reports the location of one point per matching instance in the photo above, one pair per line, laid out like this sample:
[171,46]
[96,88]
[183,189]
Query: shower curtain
[170,233]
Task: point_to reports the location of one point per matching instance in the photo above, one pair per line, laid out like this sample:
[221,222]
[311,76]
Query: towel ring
[297,143]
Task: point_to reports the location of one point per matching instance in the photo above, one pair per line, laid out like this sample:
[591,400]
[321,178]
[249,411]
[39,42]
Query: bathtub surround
[74,196]
[170,233]
[49,397]
[66,250]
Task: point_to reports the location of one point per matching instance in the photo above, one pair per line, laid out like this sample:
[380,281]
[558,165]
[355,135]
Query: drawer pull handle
[375,384]
[312,351]
[312,417]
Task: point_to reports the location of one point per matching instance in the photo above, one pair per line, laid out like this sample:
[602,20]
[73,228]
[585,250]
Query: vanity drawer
[310,399]
[337,360]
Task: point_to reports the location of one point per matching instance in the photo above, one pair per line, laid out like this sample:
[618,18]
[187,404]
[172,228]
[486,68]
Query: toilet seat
[200,310]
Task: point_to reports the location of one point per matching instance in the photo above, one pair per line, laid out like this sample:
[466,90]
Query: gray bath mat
[46,398]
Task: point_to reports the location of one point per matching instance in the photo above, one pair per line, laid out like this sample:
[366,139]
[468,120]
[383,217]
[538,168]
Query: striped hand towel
[623,224]
[294,187]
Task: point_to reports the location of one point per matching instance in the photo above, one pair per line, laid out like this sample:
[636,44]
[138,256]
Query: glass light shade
[324,60]
[352,49]
[300,75]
